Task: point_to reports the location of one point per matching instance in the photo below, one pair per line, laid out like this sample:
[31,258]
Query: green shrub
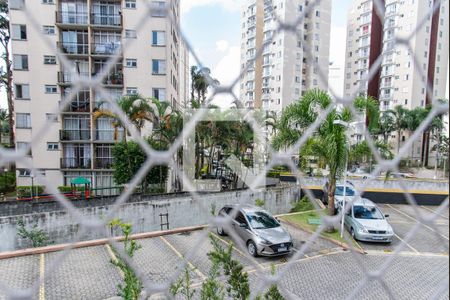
[7,182]
[67,189]
[260,202]
[303,205]
[25,191]
[36,237]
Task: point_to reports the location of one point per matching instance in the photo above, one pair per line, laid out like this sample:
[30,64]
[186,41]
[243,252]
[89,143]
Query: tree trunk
[331,210]
[399,132]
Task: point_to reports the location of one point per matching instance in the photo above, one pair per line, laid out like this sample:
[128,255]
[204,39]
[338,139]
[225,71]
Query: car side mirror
[386,216]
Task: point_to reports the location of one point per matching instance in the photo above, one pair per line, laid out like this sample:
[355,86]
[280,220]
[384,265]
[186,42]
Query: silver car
[366,222]
[262,234]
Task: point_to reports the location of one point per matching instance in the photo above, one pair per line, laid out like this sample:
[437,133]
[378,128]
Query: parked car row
[264,235]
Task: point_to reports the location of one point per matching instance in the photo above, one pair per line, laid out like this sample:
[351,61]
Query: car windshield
[340,191]
[261,220]
[367,212]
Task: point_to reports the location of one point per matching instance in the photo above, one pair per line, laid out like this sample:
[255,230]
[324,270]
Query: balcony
[75,163]
[75,134]
[77,106]
[385,96]
[106,49]
[73,48]
[71,19]
[108,135]
[114,79]
[101,20]
[103,163]
[67,78]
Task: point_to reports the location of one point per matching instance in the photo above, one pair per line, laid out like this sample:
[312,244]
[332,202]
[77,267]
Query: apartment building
[399,81]
[89,33]
[290,61]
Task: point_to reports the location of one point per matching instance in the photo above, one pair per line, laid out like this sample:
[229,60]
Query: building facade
[289,63]
[398,80]
[89,33]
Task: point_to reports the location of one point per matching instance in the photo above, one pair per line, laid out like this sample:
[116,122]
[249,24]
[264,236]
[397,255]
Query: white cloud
[226,71]
[230,5]
[222,45]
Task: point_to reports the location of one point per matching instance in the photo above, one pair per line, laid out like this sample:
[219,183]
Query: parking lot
[325,271]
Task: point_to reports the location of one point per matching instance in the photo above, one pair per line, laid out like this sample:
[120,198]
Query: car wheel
[220,231]
[251,248]
[352,233]
[364,177]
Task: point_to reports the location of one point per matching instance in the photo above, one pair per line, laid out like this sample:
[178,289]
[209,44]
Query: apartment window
[407,77]
[48,2]
[159,94]
[158,9]
[19,32]
[297,79]
[132,90]
[131,62]
[300,8]
[130,3]
[130,34]
[437,70]
[158,38]
[22,91]
[406,101]
[48,29]
[20,62]
[52,146]
[52,118]
[51,89]
[23,120]
[425,54]
[317,13]
[24,173]
[158,66]
[49,60]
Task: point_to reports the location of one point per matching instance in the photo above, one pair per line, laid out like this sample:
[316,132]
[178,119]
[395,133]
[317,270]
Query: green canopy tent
[81,181]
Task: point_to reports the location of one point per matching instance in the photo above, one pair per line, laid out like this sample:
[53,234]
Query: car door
[238,223]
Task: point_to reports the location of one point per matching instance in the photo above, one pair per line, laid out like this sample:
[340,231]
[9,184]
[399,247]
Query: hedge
[25,191]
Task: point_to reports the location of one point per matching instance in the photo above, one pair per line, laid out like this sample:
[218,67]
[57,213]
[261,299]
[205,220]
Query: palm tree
[399,115]
[201,80]
[135,107]
[329,141]
[386,125]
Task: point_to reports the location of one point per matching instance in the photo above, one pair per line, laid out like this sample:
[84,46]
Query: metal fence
[8,156]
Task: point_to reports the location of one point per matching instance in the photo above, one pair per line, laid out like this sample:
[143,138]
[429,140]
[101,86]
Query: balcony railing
[77,106]
[69,77]
[106,20]
[103,163]
[108,135]
[73,48]
[71,18]
[110,48]
[74,135]
[75,163]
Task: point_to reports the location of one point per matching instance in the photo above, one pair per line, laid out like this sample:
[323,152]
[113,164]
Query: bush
[7,182]
[25,191]
[68,189]
[260,202]
[303,205]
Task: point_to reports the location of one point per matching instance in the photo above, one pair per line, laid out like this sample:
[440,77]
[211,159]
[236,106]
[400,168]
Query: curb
[343,245]
[98,242]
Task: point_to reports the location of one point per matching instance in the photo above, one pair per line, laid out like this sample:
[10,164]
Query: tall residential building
[88,33]
[284,70]
[399,80]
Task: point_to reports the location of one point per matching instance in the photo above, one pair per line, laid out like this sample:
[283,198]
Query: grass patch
[303,205]
[301,220]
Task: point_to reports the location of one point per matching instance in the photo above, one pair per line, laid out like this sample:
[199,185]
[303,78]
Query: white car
[339,193]
[359,174]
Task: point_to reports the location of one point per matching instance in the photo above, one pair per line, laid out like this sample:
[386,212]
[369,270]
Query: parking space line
[412,218]
[434,212]
[237,250]
[408,245]
[195,269]
[113,258]
[42,277]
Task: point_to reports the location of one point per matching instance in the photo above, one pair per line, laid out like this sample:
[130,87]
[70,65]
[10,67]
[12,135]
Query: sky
[218,47]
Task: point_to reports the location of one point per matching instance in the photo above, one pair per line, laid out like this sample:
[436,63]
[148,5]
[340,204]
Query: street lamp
[346,125]
[32,185]
[6,178]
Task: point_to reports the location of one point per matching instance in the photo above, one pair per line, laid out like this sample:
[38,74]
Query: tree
[399,115]
[386,125]
[201,80]
[329,141]
[3,118]
[6,76]
[135,107]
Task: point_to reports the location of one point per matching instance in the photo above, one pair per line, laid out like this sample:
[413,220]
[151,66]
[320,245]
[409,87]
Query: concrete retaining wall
[140,210]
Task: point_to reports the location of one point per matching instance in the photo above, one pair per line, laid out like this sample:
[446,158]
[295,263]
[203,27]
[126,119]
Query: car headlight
[363,230]
[264,241]
[390,230]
